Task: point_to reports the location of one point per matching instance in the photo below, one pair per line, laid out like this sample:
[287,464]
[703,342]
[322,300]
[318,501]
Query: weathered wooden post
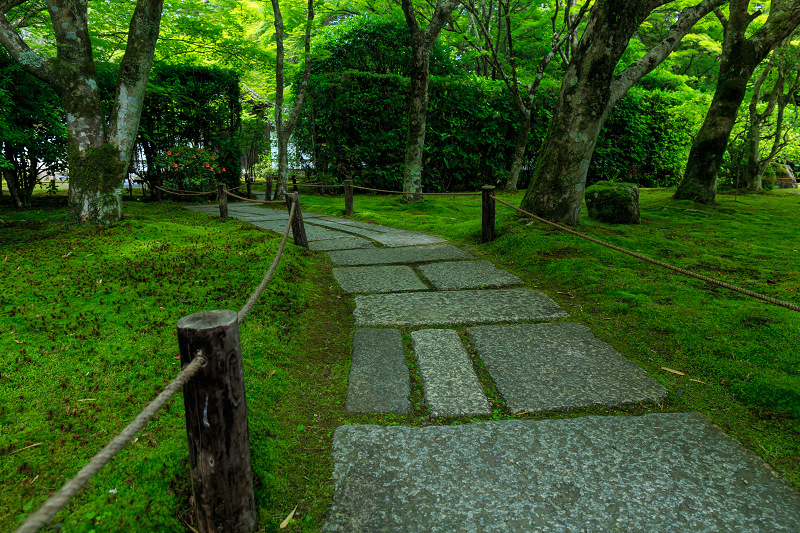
[216,423]
[298,229]
[294,182]
[222,193]
[348,197]
[487,214]
[249,183]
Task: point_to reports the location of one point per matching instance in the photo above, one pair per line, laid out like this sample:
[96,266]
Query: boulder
[617,203]
[784,177]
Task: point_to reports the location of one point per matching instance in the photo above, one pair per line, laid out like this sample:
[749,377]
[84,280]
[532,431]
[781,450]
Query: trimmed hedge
[359,123]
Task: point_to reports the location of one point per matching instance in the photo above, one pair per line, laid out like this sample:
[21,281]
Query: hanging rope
[46,512]
[268,276]
[662,264]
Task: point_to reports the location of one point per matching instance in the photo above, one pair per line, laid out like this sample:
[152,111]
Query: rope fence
[701,277]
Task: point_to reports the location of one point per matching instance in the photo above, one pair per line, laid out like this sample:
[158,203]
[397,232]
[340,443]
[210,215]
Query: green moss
[612,202]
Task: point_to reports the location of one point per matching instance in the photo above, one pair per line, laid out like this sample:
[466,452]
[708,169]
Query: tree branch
[18,49]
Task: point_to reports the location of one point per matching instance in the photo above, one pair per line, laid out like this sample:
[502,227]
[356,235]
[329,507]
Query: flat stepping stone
[390,237]
[467,275]
[313,233]
[379,378]
[362,225]
[377,279]
[455,307]
[657,472]
[386,256]
[345,242]
[449,382]
[549,367]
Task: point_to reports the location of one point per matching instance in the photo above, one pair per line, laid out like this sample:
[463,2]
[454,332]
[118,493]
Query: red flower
[212,169]
[201,150]
[212,158]
[223,169]
[206,165]
[194,156]
[169,153]
[175,165]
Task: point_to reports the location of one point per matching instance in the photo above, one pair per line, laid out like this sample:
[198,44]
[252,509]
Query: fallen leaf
[673,371]
[66,255]
[271,372]
[698,381]
[286,521]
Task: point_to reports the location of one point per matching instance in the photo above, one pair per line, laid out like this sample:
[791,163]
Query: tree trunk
[421,46]
[97,162]
[519,151]
[417,118]
[589,91]
[284,129]
[740,56]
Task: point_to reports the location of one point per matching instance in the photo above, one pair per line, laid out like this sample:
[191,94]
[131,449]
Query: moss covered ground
[88,320]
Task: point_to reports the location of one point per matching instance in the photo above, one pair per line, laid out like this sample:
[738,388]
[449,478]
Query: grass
[107,301]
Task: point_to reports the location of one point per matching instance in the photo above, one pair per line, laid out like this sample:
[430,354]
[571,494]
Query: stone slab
[673,472]
[313,233]
[455,307]
[467,275]
[448,380]
[378,279]
[387,236]
[345,242]
[379,378]
[386,256]
[549,367]
[362,225]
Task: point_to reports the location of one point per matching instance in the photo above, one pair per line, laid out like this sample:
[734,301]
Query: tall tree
[589,91]
[283,129]
[421,45]
[740,57]
[99,149]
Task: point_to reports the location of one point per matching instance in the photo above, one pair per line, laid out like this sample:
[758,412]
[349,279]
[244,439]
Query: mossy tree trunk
[740,56]
[589,91]
[283,129]
[422,41]
[98,155]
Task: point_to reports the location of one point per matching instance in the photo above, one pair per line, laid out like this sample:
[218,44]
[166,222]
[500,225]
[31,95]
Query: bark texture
[740,57]
[98,156]
[421,45]
[589,91]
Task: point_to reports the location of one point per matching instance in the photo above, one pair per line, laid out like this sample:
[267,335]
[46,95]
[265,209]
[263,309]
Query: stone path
[657,472]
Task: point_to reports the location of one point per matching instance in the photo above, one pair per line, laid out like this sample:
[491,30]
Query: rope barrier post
[222,193]
[487,213]
[249,187]
[216,423]
[156,191]
[294,182]
[348,198]
[298,229]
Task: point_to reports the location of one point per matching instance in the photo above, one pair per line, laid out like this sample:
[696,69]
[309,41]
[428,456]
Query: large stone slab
[467,275]
[455,307]
[345,242]
[378,279]
[313,233]
[362,225]
[660,472]
[379,378]
[548,367]
[386,256]
[386,236]
[449,382]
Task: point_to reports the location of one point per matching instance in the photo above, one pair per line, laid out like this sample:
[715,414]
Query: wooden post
[216,423]
[155,191]
[294,182]
[222,193]
[298,229]
[487,212]
[249,187]
[348,197]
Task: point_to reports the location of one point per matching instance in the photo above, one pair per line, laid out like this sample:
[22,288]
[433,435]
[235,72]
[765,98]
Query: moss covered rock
[784,177]
[617,203]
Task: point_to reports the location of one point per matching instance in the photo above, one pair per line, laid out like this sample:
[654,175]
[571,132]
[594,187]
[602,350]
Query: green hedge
[359,123]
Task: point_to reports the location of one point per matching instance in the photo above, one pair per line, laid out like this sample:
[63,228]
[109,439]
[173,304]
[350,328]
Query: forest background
[212,89]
